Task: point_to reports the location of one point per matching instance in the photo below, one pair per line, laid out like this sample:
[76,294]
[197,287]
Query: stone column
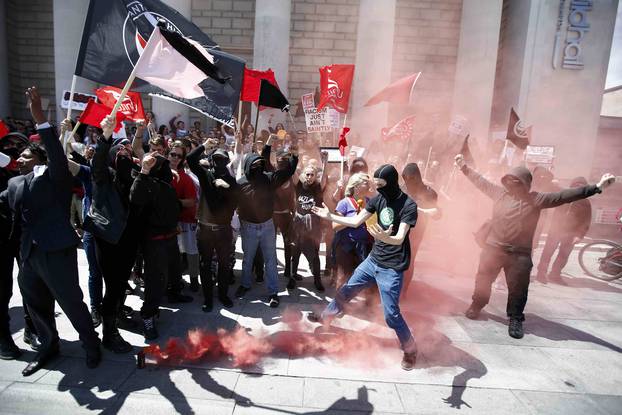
[271,47]
[69,16]
[475,68]
[4,64]
[374,55]
[163,109]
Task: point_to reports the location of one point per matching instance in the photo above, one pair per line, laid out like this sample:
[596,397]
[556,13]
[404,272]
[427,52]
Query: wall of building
[30,52]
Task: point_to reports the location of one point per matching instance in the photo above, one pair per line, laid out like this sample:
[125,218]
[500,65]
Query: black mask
[162,170]
[124,166]
[388,173]
[256,170]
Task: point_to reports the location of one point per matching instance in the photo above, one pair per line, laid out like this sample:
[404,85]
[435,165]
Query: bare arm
[137,142]
[385,235]
[351,221]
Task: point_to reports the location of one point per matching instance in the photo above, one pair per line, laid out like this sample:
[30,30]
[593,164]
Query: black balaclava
[389,174]
[220,161]
[161,170]
[123,165]
[412,178]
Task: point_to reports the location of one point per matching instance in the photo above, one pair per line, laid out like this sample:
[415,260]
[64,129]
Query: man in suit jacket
[39,200]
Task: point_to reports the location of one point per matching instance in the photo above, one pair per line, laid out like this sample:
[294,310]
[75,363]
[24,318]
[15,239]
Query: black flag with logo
[115,34]
[271,96]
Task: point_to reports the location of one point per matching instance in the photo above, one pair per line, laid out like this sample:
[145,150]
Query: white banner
[540,154]
[79,100]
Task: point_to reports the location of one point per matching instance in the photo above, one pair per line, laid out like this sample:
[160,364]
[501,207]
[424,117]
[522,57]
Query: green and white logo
[386,216]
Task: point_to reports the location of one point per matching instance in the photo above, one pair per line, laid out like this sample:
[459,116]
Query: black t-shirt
[394,212]
[308,197]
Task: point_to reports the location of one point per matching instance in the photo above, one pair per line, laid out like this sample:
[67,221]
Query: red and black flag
[517,134]
[271,96]
[116,33]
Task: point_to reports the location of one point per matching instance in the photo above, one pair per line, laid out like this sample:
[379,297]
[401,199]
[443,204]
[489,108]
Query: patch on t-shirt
[387,215]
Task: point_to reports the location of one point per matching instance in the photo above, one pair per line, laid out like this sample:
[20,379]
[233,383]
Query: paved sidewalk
[569,362]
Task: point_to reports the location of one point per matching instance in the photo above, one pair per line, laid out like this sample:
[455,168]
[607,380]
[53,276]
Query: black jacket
[40,205]
[514,219]
[160,207]
[256,202]
[217,204]
[110,209]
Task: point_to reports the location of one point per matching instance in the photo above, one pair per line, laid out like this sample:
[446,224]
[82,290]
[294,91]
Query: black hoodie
[217,204]
[515,216]
[257,191]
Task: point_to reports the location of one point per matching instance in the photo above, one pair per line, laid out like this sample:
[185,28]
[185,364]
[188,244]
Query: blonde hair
[354,181]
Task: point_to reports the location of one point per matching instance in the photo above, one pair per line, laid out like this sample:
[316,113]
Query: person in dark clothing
[11,145]
[307,229]
[219,192]
[396,213]
[255,208]
[426,198]
[152,191]
[116,237]
[508,241]
[39,200]
[569,225]
[284,208]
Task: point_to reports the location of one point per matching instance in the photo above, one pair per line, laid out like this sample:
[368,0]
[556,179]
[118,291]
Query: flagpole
[256,122]
[73,88]
[239,116]
[425,170]
[71,134]
[345,118]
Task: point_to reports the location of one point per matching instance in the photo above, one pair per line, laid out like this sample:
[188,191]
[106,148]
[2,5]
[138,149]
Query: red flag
[399,92]
[343,143]
[4,130]
[131,107]
[335,85]
[94,114]
[251,84]
[400,131]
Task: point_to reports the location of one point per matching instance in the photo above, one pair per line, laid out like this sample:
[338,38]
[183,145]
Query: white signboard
[334,117]
[317,121]
[540,154]
[79,100]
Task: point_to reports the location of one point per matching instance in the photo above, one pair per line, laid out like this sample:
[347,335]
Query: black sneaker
[149,328]
[409,360]
[127,311]
[318,284]
[274,301]
[472,312]
[194,285]
[515,328]
[291,284]
[96,317]
[115,343]
[314,317]
[297,277]
[241,291]
[226,301]
[179,298]
[8,349]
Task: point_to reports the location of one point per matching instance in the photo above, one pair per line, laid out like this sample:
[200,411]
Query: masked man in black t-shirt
[390,256]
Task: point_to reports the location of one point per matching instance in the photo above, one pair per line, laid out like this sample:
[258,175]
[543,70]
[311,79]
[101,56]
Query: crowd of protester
[171,199]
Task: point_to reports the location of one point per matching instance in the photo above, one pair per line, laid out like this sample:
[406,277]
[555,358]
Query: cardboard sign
[80,100]
[318,121]
[334,117]
[540,154]
[307,101]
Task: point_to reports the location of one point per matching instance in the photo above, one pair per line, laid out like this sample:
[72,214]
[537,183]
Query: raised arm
[551,200]
[280,176]
[57,161]
[490,189]
[137,141]
[143,188]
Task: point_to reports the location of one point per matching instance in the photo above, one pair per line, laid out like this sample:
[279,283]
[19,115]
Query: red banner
[400,131]
[95,113]
[335,85]
[131,107]
[4,130]
[252,83]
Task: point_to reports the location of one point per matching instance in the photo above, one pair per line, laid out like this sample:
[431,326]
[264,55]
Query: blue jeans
[96,282]
[259,235]
[389,284]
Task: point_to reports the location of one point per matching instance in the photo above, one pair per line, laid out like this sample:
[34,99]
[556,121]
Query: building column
[476,65]
[165,110]
[374,55]
[69,16]
[4,64]
[271,49]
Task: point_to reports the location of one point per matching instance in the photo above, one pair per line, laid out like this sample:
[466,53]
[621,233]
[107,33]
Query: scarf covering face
[388,173]
[220,160]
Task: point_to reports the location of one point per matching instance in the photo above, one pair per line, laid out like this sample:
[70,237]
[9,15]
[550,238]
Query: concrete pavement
[569,362]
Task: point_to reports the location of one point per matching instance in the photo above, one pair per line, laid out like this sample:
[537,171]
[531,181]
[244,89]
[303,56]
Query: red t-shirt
[184,187]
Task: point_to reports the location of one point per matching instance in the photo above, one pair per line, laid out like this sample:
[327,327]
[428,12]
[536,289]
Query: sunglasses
[176,155]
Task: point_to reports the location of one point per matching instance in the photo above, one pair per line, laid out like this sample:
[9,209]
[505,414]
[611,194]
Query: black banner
[115,33]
